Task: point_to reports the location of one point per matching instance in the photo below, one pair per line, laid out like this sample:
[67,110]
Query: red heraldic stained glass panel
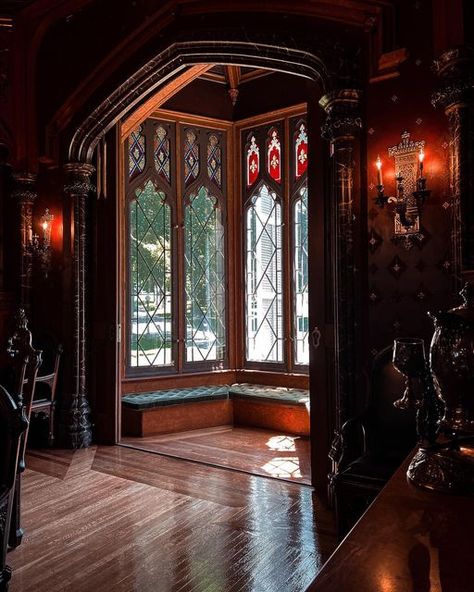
[253,162]
[274,156]
[301,151]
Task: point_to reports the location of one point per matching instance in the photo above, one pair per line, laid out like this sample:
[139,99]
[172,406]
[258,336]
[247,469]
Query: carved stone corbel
[455,67]
[76,425]
[342,126]
[24,193]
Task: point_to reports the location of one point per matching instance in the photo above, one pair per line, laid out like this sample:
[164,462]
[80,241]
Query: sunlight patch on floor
[286,468]
[282,443]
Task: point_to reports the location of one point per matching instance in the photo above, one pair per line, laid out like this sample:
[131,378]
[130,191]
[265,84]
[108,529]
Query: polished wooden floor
[257,451]
[121,520]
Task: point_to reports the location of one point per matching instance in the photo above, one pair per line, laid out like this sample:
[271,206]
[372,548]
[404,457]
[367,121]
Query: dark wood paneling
[104,301]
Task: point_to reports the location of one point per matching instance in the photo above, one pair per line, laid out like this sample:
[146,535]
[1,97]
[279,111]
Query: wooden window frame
[288,189]
[177,122]
[236,370]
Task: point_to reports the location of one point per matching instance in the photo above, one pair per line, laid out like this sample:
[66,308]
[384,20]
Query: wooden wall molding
[163,95]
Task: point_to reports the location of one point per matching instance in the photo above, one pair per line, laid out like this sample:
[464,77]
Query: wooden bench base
[273,415]
[278,415]
[175,418]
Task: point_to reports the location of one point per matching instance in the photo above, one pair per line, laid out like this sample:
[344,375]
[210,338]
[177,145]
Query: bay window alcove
[215,279]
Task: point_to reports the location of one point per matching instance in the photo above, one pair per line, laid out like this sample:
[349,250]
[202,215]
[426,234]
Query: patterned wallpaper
[404,283]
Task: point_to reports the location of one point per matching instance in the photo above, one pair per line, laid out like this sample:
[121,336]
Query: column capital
[24,187]
[455,67]
[343,119]
[78,176]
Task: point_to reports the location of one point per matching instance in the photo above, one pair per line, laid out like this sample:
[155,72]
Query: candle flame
[421,155]
[378,163]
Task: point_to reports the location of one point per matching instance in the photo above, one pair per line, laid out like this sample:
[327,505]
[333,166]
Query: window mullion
[288,246]
[179,278]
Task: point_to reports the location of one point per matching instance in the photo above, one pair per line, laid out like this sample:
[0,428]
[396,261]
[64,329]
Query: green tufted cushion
[174,396]
[275,393]
[214,393]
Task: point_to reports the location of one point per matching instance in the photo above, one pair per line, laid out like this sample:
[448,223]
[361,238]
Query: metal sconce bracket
[411,191]
[40,248]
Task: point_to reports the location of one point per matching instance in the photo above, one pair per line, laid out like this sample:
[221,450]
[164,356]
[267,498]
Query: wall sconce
[41,246]
[411,190]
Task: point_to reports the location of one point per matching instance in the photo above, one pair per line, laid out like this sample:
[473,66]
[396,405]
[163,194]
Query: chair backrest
[391,431]
[47,378]
[25,363]
[51,352]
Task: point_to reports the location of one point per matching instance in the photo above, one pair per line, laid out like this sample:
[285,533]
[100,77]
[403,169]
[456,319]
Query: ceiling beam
[233,75]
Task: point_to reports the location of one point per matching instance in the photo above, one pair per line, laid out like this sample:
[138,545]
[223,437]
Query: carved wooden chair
[13,425]
[44,397]
[26,361]
[376,442]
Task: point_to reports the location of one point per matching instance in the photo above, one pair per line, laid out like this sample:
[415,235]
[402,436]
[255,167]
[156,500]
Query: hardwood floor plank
[114,519]
[254,450]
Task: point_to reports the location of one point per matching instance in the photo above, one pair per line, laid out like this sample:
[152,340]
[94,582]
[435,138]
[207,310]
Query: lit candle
[378,164]
[421,158]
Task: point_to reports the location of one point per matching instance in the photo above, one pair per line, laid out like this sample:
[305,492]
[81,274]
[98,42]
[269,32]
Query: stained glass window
[191,157]
[205,278]
[274,156]
[300,269]
[136,152]
[161,150]
[150,278]
[301,151]
[264,297]
[214,160]
[176,290]
[253,162]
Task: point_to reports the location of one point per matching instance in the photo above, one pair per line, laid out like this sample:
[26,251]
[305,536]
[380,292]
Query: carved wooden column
[341,128]
[76,428]
[24,192]
[456,69]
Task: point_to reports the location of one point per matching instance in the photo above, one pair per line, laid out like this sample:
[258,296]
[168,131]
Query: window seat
[175,396]
[174,410]
[270,393]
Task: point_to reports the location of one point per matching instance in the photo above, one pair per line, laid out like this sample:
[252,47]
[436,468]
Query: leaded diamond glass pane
[150,279]
[300,265]
[191,157]
[205,278]
[214,160]
[161,150]
[136,152]
[264,298]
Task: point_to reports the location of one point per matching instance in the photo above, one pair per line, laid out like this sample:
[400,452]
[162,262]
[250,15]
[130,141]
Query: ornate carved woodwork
[12,426]
[77,432]
[24,193]
[455,67]
[325,62]
[25,360]
[341,128]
